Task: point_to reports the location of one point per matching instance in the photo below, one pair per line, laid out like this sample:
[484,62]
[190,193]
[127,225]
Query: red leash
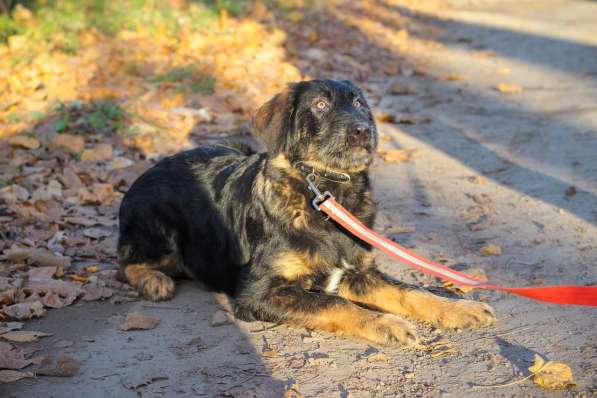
[574,295]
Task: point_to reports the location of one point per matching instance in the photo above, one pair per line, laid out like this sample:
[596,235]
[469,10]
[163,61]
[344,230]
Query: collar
[334,176]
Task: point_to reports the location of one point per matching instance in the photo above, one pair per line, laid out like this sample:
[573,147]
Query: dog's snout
[360,134]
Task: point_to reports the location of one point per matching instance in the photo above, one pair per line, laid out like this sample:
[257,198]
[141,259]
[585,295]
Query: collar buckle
[320,197]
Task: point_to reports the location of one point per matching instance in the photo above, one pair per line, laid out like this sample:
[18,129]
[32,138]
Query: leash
[326,203]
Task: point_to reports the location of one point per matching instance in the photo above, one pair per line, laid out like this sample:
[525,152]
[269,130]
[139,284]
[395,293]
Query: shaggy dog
[243,224]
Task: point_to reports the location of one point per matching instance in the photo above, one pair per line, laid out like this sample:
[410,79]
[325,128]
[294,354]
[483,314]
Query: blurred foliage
[154,61]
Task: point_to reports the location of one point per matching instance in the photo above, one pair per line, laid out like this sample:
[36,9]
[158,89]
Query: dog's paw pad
[467,314]
[156,286]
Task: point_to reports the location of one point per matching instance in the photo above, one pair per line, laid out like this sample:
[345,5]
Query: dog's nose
[359,135]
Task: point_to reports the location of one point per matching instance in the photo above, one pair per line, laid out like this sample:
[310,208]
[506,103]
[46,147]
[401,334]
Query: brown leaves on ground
[505,88]
[71,143]
[24,142]
[10,376]
[396,155]
[137,321]
[552,375]
[23,336]
[63,367]
[491,250]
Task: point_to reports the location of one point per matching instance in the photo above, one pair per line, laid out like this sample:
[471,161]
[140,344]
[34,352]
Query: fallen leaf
[96,233]
[120,162]
[552,375]
[396,155]
[477,273]
[78,278]
[10,326]
[24,142]
[508,88]
[136,321]
[63,344]
[64,367]
[384,117]
[491,250]
[25,310]
[71,143]
[93,293]
[10,376]
[92,269]
[98,153]
[23,336]
[269,353]
[41,257]
[12,358]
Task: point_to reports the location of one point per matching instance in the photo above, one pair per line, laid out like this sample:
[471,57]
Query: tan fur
[294,265]
[351,320]
[422,305]
[152,284]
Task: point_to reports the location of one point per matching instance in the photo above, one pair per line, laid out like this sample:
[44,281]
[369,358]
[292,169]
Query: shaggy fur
[243,224]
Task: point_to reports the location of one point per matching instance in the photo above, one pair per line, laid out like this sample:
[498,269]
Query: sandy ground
[488,168]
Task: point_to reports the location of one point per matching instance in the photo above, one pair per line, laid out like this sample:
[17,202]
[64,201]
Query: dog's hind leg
[149,270]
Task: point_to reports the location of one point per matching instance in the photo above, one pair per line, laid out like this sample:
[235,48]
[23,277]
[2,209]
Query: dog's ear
[274,121]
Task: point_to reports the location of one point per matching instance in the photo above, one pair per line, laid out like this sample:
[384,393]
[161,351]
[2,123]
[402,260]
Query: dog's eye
[321,105]
[357,103]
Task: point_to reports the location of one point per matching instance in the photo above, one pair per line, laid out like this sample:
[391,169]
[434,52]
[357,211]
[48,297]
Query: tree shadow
[449,133]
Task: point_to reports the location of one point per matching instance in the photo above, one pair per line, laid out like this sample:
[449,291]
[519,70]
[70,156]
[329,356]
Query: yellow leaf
[91,269]
[491,250]
[396,155]
[99,153]
[552,375]
[24,142]
[78,278]
[508,88]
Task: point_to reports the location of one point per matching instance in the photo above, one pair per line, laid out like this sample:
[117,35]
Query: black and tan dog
[243,224]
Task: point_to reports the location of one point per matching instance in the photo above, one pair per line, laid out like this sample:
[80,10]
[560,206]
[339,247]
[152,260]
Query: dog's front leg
[296,306]
[371,288]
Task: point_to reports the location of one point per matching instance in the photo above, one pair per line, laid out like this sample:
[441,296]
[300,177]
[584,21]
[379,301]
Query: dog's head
[320,122]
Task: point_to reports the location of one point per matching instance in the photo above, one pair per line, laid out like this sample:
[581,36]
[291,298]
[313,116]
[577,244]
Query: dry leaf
[552,375]
[92,269]
[491,250]
[25,310]
[10,326]
[40,257]
[78,278]
[23,336]
[99,153]
[12,358]
[71,143]
[24,142]
[136,321]
[93,293]
[396,155]
[10,376]
[508,88]
[476,273]
[65,367]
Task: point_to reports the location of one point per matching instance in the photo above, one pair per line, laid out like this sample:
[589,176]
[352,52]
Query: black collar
[334,176]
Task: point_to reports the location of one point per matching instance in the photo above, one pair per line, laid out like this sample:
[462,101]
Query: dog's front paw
[156,286]
[465,314]
[392,330]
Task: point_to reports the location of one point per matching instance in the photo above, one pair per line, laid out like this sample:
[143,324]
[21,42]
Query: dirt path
[487,168]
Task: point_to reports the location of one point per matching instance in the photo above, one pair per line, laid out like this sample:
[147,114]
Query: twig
[505,385]
[265,329]
[497,335]
[515,381]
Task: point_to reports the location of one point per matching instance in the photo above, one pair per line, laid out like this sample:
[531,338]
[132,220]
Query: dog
[243,224]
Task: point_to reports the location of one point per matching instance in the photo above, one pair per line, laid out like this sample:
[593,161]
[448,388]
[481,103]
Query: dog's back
[173,204]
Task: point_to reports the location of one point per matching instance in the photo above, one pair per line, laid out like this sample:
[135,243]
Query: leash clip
[320,197]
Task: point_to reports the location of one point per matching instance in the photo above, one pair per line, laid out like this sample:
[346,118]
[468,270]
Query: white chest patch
[334,280]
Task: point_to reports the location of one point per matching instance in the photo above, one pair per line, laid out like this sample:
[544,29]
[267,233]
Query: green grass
[101,117]
[185,79]
[58,22]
